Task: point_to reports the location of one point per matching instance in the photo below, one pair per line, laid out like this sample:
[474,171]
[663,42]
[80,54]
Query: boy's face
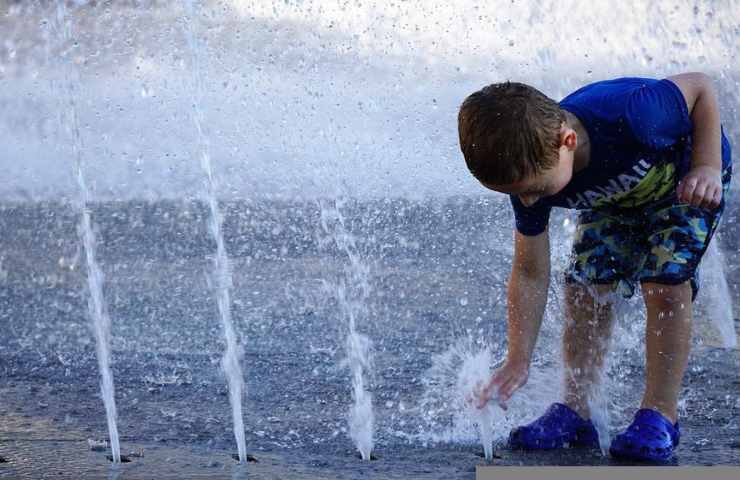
[547,182]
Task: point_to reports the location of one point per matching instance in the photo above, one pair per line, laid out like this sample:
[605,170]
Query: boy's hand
[512,375]
[701,187]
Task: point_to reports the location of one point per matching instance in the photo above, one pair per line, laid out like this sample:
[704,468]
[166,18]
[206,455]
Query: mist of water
[221,268]
[97,308]
[385,80]
[715,294]
[351,293]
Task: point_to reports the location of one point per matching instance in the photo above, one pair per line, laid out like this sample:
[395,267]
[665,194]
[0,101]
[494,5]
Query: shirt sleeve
[657,114]
[532,220]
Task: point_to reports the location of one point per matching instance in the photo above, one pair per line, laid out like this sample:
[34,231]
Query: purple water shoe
[650,437]
[559,427]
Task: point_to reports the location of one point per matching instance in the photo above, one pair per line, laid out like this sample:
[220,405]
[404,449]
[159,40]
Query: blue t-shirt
[640,134]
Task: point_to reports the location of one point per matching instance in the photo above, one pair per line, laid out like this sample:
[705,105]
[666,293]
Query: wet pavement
[437,274]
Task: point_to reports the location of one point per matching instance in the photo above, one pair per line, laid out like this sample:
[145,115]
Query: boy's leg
[585,343]
[654,433]
[679,238]
[603,263]
[668,342]
[586,336]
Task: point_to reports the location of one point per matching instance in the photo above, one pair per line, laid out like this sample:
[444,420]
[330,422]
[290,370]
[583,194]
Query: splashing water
[97,308]
[454,372]
[221,269]
[598,404]
[352,293]
[474,372]
[485,421]
[717,300]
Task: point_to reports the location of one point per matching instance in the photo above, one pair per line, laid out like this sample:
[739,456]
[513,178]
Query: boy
[648,167]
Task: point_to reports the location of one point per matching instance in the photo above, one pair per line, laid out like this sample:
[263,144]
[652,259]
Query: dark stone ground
[434,268]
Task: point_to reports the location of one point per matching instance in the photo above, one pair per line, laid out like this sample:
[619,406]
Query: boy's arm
[527,296]
[702,186]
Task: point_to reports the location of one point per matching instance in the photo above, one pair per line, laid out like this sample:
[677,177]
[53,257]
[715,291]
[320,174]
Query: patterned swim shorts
[662,244]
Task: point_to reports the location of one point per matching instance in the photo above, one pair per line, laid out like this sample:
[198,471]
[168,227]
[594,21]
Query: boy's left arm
[702,185]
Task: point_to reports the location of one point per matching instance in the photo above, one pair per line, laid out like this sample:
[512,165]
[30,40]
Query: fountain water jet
[221,269]
[474,372]
[598,404]
[352,293]
[96,305]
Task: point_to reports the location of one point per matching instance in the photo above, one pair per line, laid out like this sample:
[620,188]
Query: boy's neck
[582,155]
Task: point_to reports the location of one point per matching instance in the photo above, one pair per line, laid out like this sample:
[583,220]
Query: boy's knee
[579,292]
[667,297]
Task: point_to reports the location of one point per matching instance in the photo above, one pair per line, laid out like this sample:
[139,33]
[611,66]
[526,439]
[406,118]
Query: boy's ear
[568,137]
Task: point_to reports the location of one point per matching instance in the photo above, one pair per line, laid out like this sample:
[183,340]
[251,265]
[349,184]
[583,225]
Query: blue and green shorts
[662,243]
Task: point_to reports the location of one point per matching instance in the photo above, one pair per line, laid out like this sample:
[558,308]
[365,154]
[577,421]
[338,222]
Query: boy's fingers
[486,392]
[511,386]
[478,388]
[712,194]
[496,381]
[698,197]
[484,396]
[479,402]
[698,201]
[680,189]
[687,190]
[717,199]
[508,389]
[515,386]
[483,399]
[707,198]
[690,194]
[493,390]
